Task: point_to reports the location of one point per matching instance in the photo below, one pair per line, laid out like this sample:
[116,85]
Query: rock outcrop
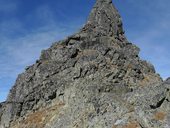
[92,79]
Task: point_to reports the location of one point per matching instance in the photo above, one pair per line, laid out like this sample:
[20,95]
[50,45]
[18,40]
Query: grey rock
[92,79]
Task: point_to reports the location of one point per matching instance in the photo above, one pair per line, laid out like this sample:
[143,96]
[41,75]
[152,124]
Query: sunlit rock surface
[92,79]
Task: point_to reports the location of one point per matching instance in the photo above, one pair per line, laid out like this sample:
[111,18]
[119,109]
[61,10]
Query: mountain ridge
[94,78]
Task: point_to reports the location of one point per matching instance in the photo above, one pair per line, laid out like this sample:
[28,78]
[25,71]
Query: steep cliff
[92,79]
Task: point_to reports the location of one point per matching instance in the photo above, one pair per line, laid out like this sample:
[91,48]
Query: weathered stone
[92,79]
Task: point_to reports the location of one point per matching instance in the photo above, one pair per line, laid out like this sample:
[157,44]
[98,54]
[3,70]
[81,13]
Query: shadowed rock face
[92,79]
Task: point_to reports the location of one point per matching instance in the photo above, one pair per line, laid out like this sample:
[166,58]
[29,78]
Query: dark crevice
[74,63]
[61,94]
[141,125]
[19,109]
[79,75]
[158,104]
[167,100]
[75,54]
[52,96]
[131,90]
[107,50]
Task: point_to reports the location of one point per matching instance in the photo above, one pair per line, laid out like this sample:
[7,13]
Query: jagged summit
[104,20]
[92,79]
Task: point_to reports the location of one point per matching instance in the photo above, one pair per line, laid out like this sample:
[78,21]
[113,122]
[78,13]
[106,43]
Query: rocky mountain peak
[92,79]
[104,20]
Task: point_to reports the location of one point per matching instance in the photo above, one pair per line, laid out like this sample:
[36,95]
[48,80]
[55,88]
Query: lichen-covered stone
[92,79]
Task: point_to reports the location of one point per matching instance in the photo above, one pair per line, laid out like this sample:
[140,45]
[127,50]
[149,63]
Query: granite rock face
[92,79]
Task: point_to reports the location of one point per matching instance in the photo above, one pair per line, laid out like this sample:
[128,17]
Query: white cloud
[21,52]
[17,52]
[24,51]
[154,43]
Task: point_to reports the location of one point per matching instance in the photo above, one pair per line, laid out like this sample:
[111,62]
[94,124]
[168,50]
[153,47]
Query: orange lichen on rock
[132,125]
[160,116]
[38,119]
[129,125]
[113,126]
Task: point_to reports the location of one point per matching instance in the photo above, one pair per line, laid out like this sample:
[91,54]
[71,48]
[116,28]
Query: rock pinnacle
[92,79]
[104,20]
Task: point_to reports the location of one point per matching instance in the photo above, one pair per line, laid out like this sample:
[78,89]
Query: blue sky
[28,26]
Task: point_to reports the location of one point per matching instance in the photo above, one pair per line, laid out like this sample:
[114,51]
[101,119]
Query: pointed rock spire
[104,20]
